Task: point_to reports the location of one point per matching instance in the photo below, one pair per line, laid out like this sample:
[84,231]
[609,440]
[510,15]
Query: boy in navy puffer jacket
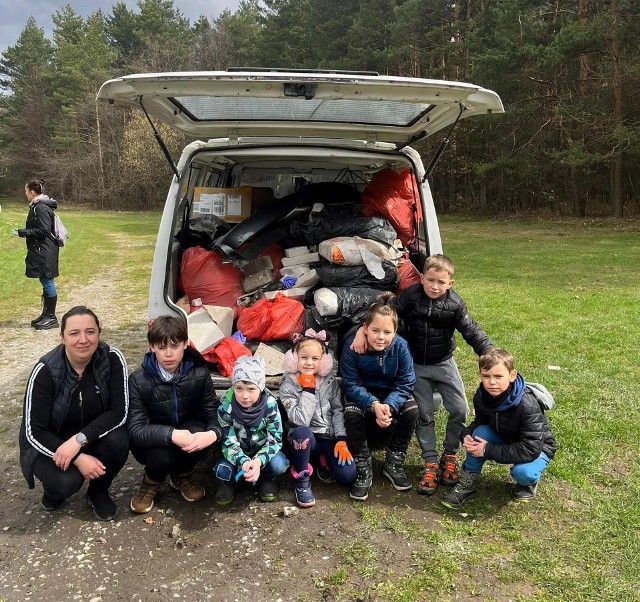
[172,419]
[509,427]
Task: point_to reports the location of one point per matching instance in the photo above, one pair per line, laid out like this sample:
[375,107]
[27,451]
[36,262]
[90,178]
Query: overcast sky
[14,13]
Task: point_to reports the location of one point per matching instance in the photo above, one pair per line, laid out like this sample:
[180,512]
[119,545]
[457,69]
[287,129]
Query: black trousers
[112,450]
[159,462]
[363,434]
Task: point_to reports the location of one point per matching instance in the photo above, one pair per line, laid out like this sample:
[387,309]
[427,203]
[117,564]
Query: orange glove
[307,381]
[341,451]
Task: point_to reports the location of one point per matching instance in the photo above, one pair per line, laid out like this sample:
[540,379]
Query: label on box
[211,204]
[234,204]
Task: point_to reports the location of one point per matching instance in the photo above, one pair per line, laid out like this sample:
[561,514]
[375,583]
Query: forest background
[568,73]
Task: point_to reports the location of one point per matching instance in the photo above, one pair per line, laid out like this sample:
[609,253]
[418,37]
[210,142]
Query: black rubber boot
[33,322]
[48,320]
[364,479]
[464,490]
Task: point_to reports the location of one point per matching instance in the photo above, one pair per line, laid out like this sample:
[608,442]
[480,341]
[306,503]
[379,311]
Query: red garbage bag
[270,320]
[393,194]
[203,274]
[225,354]
[408,273]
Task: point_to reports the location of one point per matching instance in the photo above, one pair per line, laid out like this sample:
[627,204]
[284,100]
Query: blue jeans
[525,474]
[225,471]
[48,286]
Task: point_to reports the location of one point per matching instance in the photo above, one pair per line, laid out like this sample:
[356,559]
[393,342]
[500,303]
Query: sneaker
[190,490]
[302,487]
[430,479]
[102,505]
[268,490]
[142,500]
[364,479]
[323,472]
[50,504]
[524,493]
[226,492]
[393,469]
[464,491]
[449,469]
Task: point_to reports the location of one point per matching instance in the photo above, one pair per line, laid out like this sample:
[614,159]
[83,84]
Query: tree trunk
[617,203]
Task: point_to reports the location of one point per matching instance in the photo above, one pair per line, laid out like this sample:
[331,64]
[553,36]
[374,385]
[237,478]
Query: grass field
[563,297]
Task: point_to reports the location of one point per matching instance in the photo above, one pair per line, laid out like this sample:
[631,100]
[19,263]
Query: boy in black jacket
[431,312]
[509,427]
[172,419]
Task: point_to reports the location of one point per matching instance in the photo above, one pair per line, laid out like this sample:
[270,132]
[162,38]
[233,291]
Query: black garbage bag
[332,222]
[201,231]
[332,275]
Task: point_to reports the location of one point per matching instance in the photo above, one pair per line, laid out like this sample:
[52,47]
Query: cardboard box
[229,204]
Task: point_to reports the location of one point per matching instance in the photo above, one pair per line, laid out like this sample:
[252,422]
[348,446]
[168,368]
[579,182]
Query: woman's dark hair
[382,308]
[36,186]
[79,310]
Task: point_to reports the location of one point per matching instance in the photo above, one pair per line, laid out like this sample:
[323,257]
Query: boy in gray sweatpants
[431,312]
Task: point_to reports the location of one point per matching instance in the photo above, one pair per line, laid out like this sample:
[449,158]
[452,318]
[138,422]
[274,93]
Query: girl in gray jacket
[312,397]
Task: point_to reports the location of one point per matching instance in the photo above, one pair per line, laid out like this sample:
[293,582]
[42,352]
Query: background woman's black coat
[42,251]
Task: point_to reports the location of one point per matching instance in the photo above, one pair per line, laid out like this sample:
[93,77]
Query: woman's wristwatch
[81,439]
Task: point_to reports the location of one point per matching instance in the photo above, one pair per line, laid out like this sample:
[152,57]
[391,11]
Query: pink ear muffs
[291,363]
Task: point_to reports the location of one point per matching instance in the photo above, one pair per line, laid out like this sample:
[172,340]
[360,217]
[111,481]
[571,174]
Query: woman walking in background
[42,250]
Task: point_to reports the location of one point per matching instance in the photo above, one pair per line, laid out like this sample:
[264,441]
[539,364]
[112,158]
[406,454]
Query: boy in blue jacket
[379,407]
[509,427]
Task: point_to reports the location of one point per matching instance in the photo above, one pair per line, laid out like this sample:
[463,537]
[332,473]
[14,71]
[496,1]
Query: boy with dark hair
[509,427]
[172,419]
[431,312]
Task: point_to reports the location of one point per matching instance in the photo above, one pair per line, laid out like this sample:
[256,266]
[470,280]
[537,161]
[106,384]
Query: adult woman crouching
[75,409]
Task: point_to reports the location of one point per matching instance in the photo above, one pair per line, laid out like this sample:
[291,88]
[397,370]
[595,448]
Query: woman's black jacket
[42,251]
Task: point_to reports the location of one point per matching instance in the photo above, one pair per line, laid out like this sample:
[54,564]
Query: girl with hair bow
[316,432]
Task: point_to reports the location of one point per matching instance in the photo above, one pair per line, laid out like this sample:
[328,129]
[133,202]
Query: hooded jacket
[157,407]
[429,325]
[42,251]
[387,376]
[517,416]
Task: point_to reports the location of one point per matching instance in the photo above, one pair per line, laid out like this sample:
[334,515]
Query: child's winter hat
[251,370]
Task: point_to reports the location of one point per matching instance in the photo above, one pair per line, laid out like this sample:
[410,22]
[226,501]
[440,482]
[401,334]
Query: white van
[265,135]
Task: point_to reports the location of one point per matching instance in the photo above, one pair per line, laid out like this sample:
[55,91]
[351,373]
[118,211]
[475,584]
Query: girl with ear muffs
[312,398]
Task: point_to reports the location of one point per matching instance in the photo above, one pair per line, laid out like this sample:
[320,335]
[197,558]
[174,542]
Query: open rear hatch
[242,104]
